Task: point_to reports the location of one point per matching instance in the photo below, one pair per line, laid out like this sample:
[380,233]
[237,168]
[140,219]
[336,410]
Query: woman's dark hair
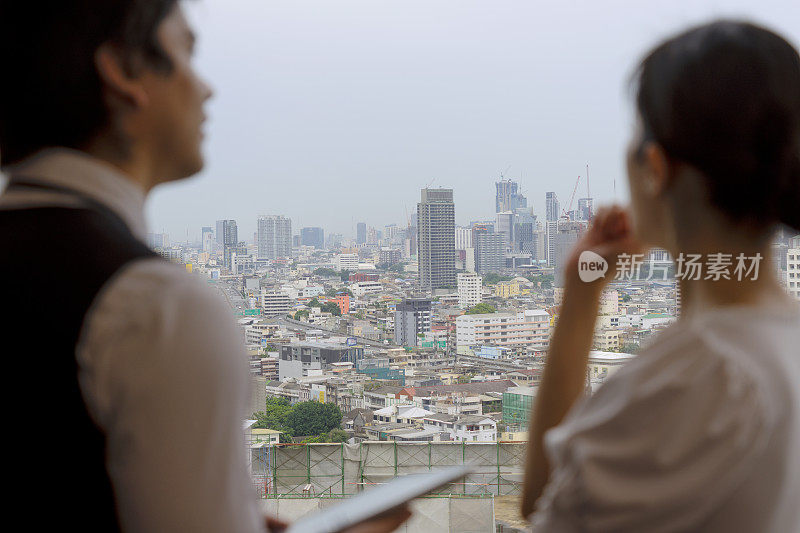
[51,92]
[725,98]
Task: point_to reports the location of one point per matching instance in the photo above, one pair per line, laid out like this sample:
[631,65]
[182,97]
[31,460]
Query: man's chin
[189,168]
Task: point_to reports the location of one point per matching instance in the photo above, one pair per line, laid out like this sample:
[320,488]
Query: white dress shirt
[163,372]
[700,432]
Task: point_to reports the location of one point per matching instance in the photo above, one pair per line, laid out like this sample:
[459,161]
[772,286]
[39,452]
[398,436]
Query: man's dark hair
[725,98]
[51,92]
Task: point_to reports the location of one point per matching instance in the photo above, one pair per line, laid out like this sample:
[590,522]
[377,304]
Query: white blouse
[700,432]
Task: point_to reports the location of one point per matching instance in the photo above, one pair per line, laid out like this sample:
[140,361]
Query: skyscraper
[313,237]
[585,208]
[567,234]
[504,224]
[436,214]
[552,207]
[361,233]
[508,197]
[274,237]
[489,251]
[228,238]
[207,238]
[463,238]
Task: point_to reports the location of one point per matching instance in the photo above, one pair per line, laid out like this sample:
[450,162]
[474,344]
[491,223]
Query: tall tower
[313,237]
[552,207]
[585,208]
[436,222]
[228,237]
[361,233]
[274,237]
[508,197]
[207,239]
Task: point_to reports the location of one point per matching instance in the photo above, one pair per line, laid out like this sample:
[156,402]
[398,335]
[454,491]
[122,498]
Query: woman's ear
[658,169]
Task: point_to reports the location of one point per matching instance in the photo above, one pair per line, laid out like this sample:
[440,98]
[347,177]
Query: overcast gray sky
[333,112]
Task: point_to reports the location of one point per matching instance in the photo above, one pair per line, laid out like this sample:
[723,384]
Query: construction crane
[571,198]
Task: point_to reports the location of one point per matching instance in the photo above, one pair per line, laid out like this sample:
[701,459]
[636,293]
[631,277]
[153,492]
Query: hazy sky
[333,112]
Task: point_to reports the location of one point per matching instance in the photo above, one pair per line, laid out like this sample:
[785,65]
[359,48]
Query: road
[232,295]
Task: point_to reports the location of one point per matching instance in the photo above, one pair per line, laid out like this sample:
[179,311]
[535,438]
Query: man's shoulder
[156,289]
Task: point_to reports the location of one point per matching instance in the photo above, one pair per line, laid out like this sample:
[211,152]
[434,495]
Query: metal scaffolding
[345,469]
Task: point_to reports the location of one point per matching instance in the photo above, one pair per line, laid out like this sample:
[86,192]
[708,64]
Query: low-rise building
[517,405]
[463,428]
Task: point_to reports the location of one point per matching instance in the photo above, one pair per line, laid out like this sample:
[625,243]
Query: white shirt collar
[91,176]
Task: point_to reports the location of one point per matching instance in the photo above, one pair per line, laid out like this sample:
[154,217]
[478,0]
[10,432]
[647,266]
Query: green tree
[301,314]
[334,435]
[275,415]
[481,308]
[337,435]
[545,281]
[344,275]
[330,307]
[326,272]
[492,279]
[313,418]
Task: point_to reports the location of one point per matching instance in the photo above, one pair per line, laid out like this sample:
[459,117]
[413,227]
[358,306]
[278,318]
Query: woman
[701,431]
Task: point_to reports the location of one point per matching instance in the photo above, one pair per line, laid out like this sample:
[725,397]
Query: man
[133,370]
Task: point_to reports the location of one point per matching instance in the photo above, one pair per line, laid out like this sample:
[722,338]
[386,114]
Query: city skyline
[364,128]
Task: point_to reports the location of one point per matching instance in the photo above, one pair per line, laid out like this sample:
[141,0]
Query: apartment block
[529,329]
[469,289]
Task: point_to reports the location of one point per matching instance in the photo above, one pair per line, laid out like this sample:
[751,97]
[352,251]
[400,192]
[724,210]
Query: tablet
[373,502]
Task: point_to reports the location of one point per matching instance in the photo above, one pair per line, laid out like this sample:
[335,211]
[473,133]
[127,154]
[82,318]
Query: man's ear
[117,78]
[658,168]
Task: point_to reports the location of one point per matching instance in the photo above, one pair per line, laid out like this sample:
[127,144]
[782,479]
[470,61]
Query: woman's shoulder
[723,358]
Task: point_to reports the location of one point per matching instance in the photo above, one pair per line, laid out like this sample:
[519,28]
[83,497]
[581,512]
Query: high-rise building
[567,234]
[793,271]
[157,240]
[508,197]
[436,237]
[227,239]
[489,251]
[313,237]
[463,238]
[333,240]
[389,256]
[207,239]
[505,225]
[469,289]
[412,319]
[361,233]
[551,228]
[274,237]
[523,238]
[373,236]
[552,207]
[585,208]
